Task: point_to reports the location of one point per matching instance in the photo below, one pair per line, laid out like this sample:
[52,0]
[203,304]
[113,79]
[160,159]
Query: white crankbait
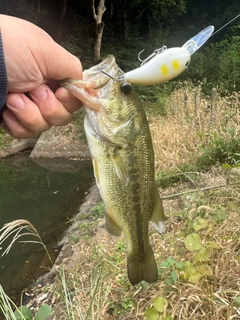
[162,67]
[165,64]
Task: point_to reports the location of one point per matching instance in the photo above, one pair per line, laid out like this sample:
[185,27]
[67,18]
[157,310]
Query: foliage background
[130,26]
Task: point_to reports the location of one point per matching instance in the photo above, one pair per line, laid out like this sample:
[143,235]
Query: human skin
[35,63]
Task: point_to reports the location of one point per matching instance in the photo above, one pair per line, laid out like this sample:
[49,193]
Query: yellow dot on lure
[164,70]
[175,65]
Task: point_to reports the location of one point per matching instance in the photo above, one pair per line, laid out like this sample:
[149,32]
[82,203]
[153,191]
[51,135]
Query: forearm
[3,79]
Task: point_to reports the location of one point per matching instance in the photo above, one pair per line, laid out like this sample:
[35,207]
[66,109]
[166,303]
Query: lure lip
[193,44]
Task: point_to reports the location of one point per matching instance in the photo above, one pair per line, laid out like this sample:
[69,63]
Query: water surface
[47,193]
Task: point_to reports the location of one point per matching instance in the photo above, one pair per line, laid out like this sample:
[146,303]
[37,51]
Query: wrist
[3,79]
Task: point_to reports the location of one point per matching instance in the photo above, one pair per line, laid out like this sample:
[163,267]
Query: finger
[50,107]
[61,66]
[13,127]
[68,100]
[27,112]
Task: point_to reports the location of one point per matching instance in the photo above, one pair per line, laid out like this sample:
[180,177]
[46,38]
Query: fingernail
[40,93]
[15,101]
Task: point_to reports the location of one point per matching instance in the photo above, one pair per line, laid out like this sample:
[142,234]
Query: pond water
[47,193]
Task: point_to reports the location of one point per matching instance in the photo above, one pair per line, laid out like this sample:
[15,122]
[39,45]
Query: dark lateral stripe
[134,173]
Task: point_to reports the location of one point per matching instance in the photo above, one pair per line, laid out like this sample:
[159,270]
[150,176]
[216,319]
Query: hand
[34,64]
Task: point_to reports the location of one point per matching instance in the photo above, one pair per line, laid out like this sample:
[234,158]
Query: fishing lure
[160,68]
[162,65]
[165,64]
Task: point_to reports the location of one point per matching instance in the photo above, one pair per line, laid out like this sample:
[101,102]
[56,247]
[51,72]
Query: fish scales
[120,144]
[137,197]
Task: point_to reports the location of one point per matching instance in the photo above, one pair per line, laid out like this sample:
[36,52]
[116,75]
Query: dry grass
[17,229]
[190,124]
[98,281]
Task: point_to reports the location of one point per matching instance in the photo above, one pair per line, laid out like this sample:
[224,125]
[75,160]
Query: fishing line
[226,24]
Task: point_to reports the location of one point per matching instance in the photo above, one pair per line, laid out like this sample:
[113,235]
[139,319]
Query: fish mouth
[101,74]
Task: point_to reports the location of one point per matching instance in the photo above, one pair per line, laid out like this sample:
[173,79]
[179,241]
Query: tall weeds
[6,305]
[17,229]
[196,130]
[14,231]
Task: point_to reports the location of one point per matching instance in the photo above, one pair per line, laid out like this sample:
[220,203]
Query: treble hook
[155,52]
[139,55]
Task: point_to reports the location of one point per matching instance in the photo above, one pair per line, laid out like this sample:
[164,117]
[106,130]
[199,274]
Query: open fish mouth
[100,74]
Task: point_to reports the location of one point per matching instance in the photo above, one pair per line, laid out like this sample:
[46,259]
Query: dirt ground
[58,142]
[73,254]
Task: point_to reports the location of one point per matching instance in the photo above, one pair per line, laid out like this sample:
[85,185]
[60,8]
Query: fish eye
[125,88]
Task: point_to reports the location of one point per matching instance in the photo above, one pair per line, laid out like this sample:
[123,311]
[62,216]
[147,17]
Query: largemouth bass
[120,144]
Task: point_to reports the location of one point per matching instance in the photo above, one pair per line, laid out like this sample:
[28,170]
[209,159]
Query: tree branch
[195,190]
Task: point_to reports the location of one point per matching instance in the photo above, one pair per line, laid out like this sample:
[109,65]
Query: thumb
[62,64]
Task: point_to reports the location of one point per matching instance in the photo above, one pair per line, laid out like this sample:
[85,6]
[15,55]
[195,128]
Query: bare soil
[58,142]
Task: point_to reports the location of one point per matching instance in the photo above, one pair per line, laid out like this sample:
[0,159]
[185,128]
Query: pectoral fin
[111,226]
[120,167]
[158,217]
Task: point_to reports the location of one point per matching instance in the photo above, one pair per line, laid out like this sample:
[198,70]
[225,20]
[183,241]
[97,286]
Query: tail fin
[142,267]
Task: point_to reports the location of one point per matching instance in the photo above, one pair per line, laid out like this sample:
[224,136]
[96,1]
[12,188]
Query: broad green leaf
[179,265]
[43,312]
[200,223]
[161,271]
[160,303]
[181,234]
[144,284]
[212,244]
[201,255]
[169,282]
[165,264]
[237,300]
[23,313]
[195,277]
[204,269]
[193,242]
[174,276]
[171,261]
[190,272]
[188,266]
[151,314]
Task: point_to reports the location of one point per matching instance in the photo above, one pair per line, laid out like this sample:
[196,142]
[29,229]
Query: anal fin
[158,217]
